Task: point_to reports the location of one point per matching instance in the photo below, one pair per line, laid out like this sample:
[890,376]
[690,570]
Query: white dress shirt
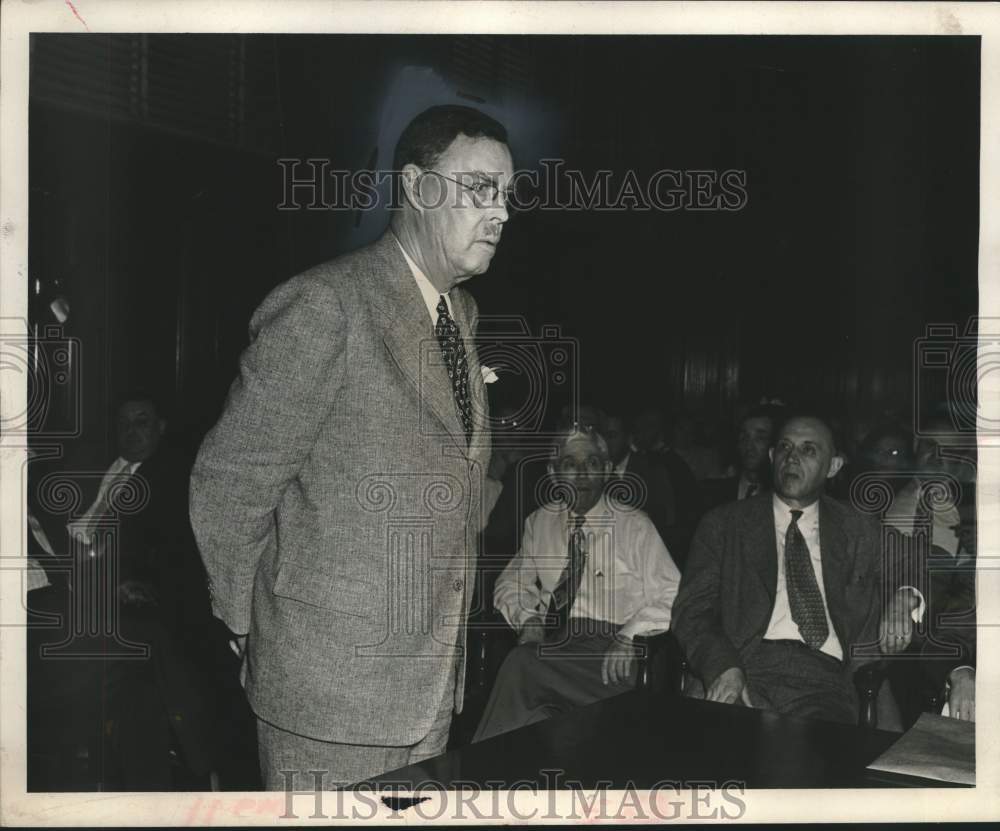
[782,627]
[629,577]
[81,528]
[427,291]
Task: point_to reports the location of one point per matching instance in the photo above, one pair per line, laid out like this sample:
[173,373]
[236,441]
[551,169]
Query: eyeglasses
[590,465]
[484,192]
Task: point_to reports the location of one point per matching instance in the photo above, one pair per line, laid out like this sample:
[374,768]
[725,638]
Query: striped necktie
[564,594]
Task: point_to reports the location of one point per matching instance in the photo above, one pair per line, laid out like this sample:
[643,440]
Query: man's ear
[770,455]
[162,424]
[836,463]
[409,180]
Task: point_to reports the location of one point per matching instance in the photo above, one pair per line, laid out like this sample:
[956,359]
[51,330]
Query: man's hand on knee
[729,687]
[533,631]
[962,694]
[618,661]
[896,625]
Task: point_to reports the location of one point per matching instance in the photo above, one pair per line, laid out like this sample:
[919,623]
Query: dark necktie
[569,582]
[751,490]
[453,349]
[804,598]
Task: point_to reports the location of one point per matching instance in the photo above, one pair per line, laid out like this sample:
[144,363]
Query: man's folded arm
[289,375]
[697,619]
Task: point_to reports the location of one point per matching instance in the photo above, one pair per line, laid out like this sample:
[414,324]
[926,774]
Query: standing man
[338,500]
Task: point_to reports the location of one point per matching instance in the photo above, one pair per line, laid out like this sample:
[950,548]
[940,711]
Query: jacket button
[457,585]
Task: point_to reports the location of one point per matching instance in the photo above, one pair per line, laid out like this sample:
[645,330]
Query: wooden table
[639,739]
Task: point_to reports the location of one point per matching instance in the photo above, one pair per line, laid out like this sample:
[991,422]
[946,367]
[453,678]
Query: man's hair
[142,395]
[586,417]
[771,411]
[430,133]
[570,434]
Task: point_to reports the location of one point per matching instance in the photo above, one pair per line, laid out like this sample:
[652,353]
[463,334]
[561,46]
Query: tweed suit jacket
[337,503]
[727,593]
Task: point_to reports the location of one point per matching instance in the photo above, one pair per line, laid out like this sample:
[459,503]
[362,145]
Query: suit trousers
[790,678]
[537,681]
[289,761]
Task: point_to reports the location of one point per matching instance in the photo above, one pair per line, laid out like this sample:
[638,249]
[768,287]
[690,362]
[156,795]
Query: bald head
[804,458]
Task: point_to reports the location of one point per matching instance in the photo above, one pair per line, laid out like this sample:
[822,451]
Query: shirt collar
[600,508]
[123,465]
[430,294]
[783,513]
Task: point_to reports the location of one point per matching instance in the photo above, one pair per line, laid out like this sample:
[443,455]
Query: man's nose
[498,210]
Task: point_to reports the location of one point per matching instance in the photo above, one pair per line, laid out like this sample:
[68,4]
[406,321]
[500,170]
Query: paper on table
[934,748]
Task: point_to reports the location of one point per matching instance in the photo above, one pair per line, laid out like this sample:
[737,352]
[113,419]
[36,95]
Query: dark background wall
[154,185]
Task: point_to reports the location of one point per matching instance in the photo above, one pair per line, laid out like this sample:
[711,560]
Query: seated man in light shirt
[591,574]
[781,599]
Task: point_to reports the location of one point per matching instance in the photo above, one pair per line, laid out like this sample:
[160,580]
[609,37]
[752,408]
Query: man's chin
[584,502]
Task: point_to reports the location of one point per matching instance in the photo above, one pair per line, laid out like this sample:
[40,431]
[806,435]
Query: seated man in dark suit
[756,437]
[603,574]
[783,590]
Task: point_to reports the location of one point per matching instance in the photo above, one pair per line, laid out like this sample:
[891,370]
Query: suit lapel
[761,545]
[408,334]
[833,555]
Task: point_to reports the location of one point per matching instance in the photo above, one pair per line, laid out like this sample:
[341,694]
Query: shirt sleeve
[660,581]
[918,613]
[518,593]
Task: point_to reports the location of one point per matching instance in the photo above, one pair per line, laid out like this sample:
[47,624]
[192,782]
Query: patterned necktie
[453,349]
[569,582]
[751,490]
[804,598]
